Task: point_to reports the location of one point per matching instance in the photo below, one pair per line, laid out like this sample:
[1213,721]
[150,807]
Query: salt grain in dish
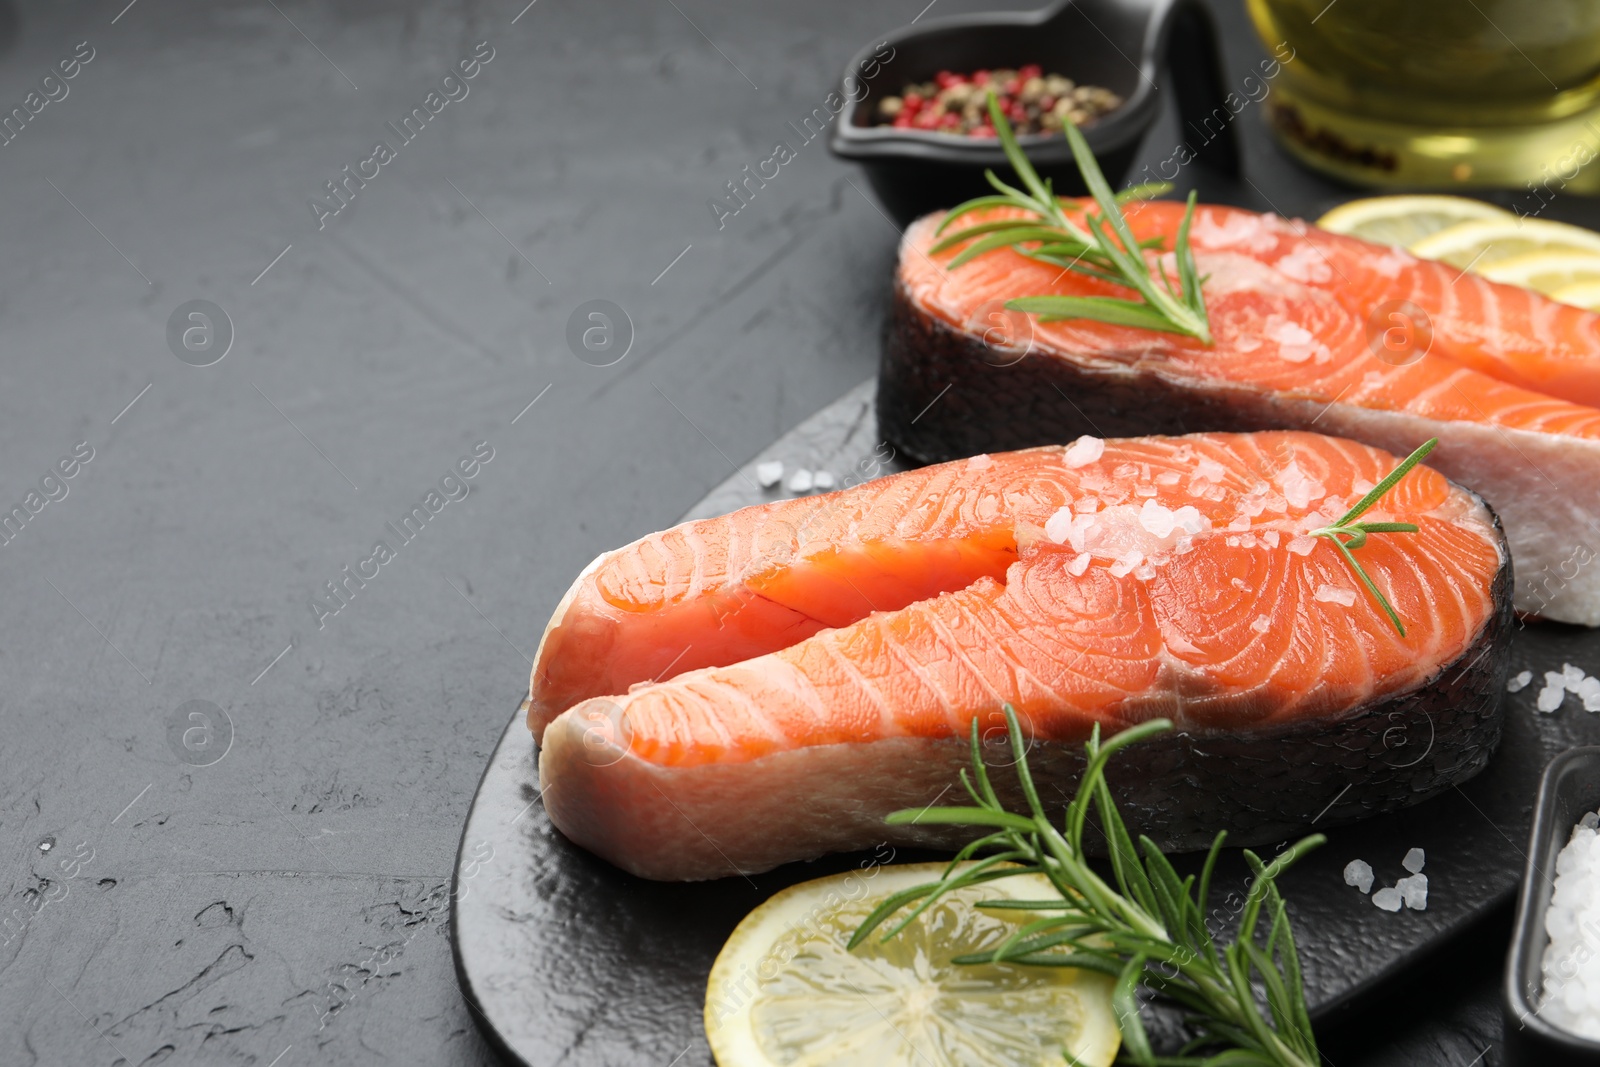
[1520,682]
[1571,963]
[800,481]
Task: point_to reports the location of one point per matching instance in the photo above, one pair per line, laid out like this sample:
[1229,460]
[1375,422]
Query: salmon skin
[1308,335]
[739,692]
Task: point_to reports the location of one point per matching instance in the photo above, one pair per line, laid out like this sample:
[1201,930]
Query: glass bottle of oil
[1439,92]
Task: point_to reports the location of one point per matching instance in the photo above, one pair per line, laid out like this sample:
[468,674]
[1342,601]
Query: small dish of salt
[1552,988]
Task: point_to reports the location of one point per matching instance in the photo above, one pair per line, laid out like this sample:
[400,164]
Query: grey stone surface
[283,905]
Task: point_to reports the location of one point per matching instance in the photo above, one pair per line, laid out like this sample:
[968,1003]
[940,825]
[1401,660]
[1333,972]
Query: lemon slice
[1546,271]
[1582,294]
[1404,220]
[786,991]
[1481,244]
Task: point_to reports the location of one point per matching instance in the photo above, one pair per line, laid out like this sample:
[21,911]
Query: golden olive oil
[1438,92]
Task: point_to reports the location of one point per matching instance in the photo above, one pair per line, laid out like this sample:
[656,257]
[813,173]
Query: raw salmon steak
[1312,331]
[739,692]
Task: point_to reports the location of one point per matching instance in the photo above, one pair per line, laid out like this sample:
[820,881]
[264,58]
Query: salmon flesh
[1312,331]
[739,692]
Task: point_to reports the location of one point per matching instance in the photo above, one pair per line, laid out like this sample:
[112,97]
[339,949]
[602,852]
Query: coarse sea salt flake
[1078,532]
[1388,898]
[1415,860]
[770,473]
[1291,333]
[1572,677]
[1302,545]
[1079,564]
[1332,594]
[1305,263]
[1297,344]
[1209,470]
[1129,560]
[1059,525]
[979,463]
[1190,521]
[1271,538]
[1157,519]
[1550,698]
[1167,478]
[1520,682]
[1299,488]
[1084,451]
[1261,625]
[1358,873]
[822,480]
[1414,891]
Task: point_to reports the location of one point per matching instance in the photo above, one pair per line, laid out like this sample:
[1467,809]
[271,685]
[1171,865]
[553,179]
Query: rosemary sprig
[1354,534]
[1102,246]
[1149,928]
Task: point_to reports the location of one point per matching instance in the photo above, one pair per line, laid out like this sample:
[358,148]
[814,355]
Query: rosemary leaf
[1144,191]
[1108,309]
[1149,930]
[1389,482]
[1125,1003]
[962,817]
[1103,246]
[1348,535]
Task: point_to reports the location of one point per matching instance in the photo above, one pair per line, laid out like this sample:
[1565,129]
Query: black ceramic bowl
[1570,787]
[1115,43]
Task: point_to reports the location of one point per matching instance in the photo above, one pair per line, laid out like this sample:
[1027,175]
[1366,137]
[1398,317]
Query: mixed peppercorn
[1033,102]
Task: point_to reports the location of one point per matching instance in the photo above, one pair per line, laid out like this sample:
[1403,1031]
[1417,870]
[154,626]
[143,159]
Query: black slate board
[567,959]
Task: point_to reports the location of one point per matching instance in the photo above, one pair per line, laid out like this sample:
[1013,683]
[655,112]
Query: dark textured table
[238,741]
